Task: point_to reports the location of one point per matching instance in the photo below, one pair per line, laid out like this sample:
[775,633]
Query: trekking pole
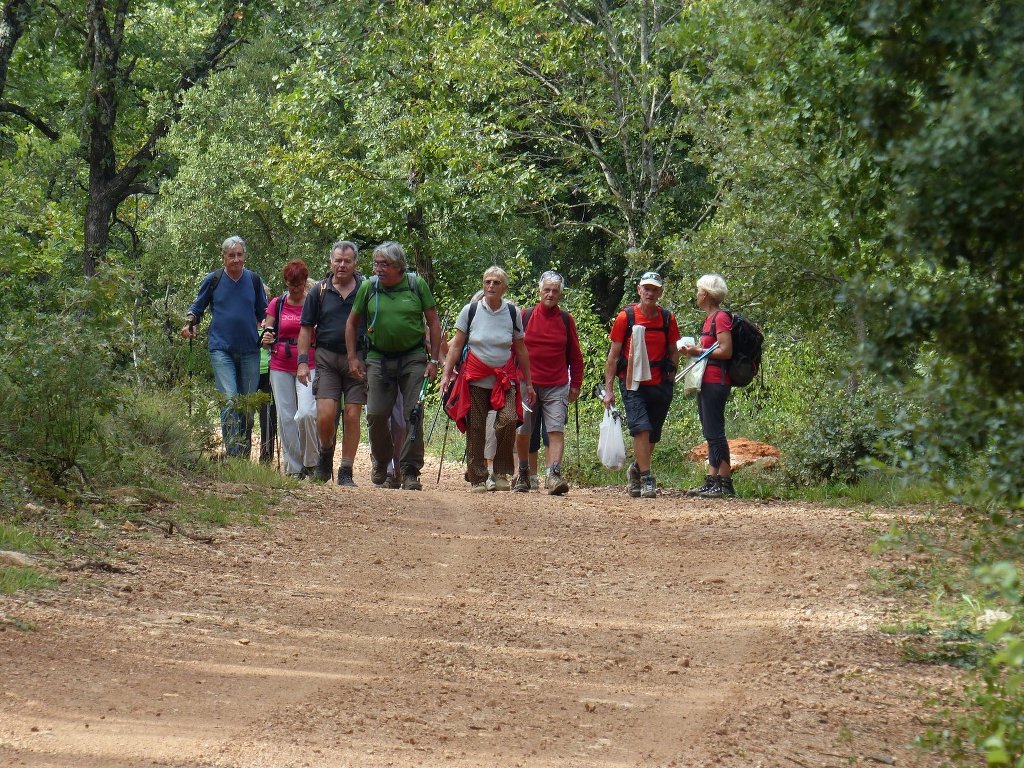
[437,413]
[444,442]
[440,404]
[416,414]
[701,357]
[579,461]
[191,335]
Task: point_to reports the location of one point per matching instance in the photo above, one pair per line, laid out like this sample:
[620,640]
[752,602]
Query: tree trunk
[415,225]
[13,21]
[99,215]
[110,185]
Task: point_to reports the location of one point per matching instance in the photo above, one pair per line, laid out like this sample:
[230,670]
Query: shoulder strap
[257,283]
[512,316]
[277,311]
[527,314]
[217,275]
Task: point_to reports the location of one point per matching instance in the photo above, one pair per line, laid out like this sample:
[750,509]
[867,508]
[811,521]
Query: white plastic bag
[694,376]
[306,408]
[611,448]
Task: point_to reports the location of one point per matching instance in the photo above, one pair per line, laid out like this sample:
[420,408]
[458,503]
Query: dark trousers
[711,410]
[268,423]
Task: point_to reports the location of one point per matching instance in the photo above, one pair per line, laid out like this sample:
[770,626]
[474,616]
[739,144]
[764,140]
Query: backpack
[747,341]
[257,283]
[630,311]
[527,313]
[412,284]
[449,402]
[469,322]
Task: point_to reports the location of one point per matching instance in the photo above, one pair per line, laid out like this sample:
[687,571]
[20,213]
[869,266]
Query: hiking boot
[534,483]
[709,483]
[648,487]
[323,470]
[345,477]
[723,489]
[479,488]
[378,473]
[633,478]
[521,483]
[556,484]
[412,482]
[392,482]
[490,484]
[501,483]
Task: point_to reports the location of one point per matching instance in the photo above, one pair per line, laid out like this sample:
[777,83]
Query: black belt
[342,350]
[392,355]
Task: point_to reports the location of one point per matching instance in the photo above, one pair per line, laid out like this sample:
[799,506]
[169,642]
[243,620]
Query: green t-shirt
[394,316]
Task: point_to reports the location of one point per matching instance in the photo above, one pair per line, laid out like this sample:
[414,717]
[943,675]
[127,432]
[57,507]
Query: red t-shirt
[284,355]
[552,355]
[715,373]
[656,338]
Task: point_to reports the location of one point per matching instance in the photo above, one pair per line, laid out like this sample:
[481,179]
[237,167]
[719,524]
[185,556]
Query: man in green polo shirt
[398,308]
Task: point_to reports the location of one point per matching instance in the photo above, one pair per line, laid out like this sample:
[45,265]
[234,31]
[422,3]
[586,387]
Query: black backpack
[666,319]
[747,341]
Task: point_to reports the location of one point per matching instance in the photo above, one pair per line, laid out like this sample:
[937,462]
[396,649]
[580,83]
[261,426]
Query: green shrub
[834,444]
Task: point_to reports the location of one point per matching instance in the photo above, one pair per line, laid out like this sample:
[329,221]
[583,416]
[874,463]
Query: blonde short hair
[497,272]
[714,286]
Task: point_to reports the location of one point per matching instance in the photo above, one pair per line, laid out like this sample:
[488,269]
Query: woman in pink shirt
[300,442]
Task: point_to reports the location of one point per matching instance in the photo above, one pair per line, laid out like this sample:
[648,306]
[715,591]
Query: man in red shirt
[646,394]
[556,363]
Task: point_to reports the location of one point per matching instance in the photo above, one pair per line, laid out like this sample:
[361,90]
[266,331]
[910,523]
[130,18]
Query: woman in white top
[490,331]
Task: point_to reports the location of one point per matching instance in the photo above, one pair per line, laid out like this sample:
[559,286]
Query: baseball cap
[651,278]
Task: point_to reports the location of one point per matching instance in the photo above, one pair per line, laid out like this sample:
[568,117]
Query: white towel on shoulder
[638,366]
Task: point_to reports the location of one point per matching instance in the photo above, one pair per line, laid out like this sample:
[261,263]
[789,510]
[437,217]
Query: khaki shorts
[333,379]
[553,402]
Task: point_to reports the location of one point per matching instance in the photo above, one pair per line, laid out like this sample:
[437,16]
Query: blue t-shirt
[237,308]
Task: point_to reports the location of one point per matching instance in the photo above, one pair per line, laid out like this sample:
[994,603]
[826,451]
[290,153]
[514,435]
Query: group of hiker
[347,342]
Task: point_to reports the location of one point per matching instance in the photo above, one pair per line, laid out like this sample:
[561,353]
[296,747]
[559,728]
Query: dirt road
[393,628]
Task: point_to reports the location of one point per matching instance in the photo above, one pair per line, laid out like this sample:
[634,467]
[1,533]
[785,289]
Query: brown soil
[394,628]
[742,452]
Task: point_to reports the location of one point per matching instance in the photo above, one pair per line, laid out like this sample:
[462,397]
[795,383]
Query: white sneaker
[489,483]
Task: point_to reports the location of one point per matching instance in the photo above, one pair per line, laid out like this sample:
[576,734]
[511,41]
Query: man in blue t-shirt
[238,301]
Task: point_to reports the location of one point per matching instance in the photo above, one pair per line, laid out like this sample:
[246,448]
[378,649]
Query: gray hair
[346,245]
[551,277]
[393,253]
[714,286]
[231,242]
[498,272]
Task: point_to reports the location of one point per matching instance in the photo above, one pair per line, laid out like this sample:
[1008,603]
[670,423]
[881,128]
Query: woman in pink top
[300,442]
[715,386]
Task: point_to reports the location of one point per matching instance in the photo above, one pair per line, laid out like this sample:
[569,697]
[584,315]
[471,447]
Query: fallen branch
[168,528]
[97,565]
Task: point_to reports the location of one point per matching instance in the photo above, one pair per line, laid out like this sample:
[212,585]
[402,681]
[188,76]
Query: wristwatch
[304,358]
[434,361]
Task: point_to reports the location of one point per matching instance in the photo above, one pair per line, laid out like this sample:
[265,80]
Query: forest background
[853,168]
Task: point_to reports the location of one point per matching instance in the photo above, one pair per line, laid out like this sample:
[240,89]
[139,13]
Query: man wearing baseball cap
[643,355]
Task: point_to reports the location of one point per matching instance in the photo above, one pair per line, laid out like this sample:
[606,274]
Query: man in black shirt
[327,308]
